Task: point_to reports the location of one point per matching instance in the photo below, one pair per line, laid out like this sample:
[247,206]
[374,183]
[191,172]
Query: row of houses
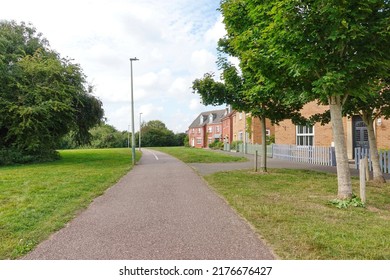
[226,125]
[230,125]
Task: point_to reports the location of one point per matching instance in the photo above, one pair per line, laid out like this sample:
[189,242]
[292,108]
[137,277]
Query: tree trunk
[343,172]
[377,172]
[264,144]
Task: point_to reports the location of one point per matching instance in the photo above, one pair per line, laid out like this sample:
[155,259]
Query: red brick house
[355,131]
[233,128]
[256,133]
[206,128]
[242,122]
[227,126]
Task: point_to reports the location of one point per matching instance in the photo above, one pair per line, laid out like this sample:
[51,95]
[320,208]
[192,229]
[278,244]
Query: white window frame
[305,135]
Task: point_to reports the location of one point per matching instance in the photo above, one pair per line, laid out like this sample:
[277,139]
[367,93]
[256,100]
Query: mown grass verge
[38,199]
[291,210]
[192,155]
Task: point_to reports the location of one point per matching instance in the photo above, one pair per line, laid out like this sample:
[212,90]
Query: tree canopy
[314,49]
[155,134]
[42,96]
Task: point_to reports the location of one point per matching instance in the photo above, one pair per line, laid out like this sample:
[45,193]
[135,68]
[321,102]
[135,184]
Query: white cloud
[203,61]
[216,32]
[175,41]
[195,104]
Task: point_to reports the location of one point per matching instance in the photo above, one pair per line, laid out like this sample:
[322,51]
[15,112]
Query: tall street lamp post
[128,137]
[132,112]
[139,138]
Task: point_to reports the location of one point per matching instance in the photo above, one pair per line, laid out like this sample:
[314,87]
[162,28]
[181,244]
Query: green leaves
[42,96]
[345,203]
[211,91]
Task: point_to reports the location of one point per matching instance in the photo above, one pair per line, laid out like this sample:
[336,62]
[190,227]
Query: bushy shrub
[216,145]
[13,156]
[187,141]
[234,145]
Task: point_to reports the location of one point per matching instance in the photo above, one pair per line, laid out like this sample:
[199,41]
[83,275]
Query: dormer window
[201,119]
[211,118]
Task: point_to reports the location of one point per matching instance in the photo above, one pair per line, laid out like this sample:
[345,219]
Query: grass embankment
[38,199]
[192,155]
[290,209]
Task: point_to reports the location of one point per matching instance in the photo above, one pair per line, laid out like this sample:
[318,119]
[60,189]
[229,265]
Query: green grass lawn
[192,155]
[290,209]
[38,199]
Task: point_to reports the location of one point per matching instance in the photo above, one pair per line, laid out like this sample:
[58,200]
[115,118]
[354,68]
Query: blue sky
[175,41]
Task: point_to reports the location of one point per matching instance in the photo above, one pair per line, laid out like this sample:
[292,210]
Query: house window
[240,136]
[193,130]
[218,129]
[240,116]
[211,118]
[198,130]
[198,141]
[210,129]
[305,135]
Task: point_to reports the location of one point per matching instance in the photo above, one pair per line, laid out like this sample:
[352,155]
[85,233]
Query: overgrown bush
[187,141]
[216,145]
[13,156]
[234,145]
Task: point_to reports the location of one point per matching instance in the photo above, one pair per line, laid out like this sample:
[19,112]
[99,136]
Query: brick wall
[238,122]
[256,130]
[211,131]
[383,134]
[227,129]
[196,137]
[285,132]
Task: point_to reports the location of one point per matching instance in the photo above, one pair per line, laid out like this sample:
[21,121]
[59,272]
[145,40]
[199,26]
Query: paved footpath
[160,210]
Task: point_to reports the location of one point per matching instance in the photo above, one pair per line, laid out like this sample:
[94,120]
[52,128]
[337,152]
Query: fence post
[388,161]
[362,173]
[256,152]
[357,158]
[333,156]
[366,169]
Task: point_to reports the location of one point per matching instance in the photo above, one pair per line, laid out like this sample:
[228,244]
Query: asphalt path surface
[160,210]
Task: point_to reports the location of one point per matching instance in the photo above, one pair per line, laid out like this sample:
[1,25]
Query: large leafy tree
[331,49]
[155,134]
[371,106]
[42,96]
[258,88]
[107,136]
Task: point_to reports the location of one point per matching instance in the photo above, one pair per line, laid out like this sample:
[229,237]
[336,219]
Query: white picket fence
[384,159]
[306,154]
